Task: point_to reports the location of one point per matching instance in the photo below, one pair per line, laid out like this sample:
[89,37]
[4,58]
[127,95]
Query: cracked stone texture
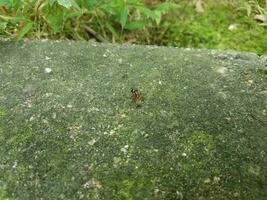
[70,130]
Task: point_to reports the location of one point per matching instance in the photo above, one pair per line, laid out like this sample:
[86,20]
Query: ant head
[134,90]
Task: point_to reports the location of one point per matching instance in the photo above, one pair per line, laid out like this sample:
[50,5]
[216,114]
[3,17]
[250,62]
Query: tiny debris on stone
[120,61]
[125,148]
[47,58]
[216,179]
[69,106]
[48,70]
[15,164]
[54,115]
[221,70]
[92,142]
[207,180]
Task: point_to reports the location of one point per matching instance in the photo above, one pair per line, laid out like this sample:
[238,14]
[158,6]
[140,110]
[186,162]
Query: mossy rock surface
[69,128]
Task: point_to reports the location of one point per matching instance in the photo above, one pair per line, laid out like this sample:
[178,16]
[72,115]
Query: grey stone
[71,129]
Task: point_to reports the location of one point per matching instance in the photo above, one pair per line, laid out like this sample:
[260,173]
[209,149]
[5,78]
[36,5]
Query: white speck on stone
[48,94]
[228,118]
[122,115]
[54,115]
[92,142]
[249,82]
[221,70]
[216,179]
[112,132]
[48,70]
[69,106]
[125,148]
[184,154]
[207,180]
[87,184]
[160,82]
[222,94]
[15,165]
[179,194]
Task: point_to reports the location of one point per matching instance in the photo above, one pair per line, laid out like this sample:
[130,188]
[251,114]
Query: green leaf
[65,3]
[112,29]
[90,4]
[51,2]
[25,29]
[135,25]
[55,21]
[157,16]
[3,26]
[123,17]
[146,11]
[7,3]
[167,6]
[74,4]
[16,3]
[153,14]
[68,4]
[69,15]
[12,20]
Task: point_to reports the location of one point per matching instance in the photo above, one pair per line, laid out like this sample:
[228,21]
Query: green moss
[124,189]
[3,195]
[199,147]
[2,113]
[210,29]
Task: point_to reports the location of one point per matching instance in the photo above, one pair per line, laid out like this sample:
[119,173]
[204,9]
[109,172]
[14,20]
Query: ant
[136,97]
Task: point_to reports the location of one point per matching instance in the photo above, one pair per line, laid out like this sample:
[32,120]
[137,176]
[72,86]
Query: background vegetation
[221,24]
